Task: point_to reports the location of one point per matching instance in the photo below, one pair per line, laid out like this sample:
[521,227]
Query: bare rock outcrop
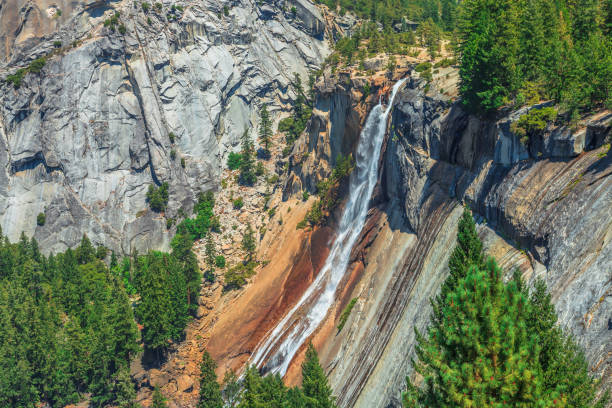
[160,95]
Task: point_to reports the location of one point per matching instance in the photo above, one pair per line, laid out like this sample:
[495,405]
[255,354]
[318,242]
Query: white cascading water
[280,346]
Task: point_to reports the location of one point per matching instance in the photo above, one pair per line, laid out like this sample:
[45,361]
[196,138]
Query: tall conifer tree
[314,381]
[265,129]
[210,392]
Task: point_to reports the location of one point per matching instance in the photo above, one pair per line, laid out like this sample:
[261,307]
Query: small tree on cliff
[247,161]
[248,242]
[210,392]
[265,130]
[315,386]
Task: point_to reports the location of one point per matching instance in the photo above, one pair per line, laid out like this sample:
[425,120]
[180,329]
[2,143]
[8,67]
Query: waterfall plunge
[280,345]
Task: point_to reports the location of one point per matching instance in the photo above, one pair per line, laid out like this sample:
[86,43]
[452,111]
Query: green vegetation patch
[236,277]
[35,67]
[346,313]
[327,192]
[533,123]
[157,197]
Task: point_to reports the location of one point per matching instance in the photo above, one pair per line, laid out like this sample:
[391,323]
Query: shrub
[225,11]
[305,195]
[534,122]
[220,261]
[422,67]
[204,220]
[285,125]
[209,276]
[327,191]
[122,29]
[40,219]
[37,65]
[158,197]
[367,89]
[273,179]
[426,75]
[158,6]
[57,44]
[236,277]
[169,223]
[259,169]
[145,7]
[346,313]
[238,203]
[446,62]
[182,162]
[233,161]
[173,154]
[172,137]
[16,78]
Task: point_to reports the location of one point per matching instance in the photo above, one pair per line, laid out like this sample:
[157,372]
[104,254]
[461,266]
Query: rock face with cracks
[544,208]
[161,95]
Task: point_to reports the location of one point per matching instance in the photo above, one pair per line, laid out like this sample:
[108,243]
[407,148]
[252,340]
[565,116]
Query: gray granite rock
[549,216]
[82,140]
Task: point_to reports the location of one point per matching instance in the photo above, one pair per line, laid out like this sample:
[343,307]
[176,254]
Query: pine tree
[300,99]
[493,344]
[248,242]
[314,383]
[247,161]
[265,130]
[158,399]
[467,252]
[489,52]
[562,361]
[124,391]
[210,252]
[251,383]
[210,392]
[482,354]
[85,252]
[231,388]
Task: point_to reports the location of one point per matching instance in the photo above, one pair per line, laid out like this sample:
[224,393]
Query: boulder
[184,383]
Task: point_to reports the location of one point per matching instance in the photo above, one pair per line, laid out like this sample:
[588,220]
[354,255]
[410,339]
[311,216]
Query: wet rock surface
[548,215]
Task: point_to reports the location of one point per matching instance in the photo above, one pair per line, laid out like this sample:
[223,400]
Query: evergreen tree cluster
[247,175]
[163,283]
[256,391]
[66,328]
[492,344]
[512,51]
[203,222]
[390,12]
[157,197]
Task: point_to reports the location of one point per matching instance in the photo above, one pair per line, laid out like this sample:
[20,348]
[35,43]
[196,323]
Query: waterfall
[280,345]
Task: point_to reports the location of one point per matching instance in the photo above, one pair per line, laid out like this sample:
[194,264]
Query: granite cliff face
[545,208]
[115,110]
[161,96]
